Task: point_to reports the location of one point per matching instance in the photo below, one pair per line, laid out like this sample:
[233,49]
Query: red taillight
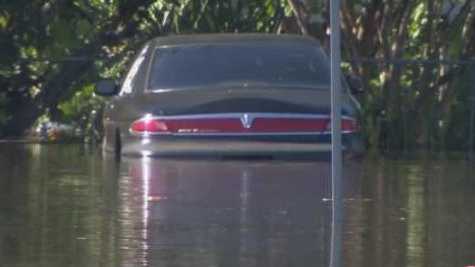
[347,125]
[235,124]
[148,126]
[204,125]
[283,125]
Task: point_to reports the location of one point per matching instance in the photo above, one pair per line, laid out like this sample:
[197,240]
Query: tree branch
[298,10]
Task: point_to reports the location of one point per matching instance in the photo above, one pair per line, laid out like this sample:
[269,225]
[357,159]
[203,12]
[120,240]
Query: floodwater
[65,205]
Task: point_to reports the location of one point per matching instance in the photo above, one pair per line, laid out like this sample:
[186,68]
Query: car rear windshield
[244,64]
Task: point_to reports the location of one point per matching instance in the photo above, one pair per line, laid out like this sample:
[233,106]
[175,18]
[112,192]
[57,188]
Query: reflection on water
[231,213]
[67,206]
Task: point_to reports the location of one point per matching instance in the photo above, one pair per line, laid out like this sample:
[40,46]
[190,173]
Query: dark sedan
[226,94]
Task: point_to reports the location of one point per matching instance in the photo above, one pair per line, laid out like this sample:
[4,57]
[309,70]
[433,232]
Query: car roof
[190,39]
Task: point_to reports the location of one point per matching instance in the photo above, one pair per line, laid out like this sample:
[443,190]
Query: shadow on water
[68,206]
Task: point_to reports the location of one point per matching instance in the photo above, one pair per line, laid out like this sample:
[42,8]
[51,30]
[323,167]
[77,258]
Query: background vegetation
[414,56]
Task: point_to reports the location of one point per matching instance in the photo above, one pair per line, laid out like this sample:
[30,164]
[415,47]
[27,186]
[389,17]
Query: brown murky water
[68,206]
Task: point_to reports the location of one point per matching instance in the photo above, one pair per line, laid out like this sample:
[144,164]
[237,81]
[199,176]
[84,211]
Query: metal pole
[472,115]
[336,159]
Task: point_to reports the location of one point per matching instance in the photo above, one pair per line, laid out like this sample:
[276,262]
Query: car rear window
[221,64]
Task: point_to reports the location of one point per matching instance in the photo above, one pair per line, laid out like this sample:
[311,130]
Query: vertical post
[472,113]
[336,158]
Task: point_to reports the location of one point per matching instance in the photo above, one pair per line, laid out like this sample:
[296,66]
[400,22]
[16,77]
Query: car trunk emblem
[247,120]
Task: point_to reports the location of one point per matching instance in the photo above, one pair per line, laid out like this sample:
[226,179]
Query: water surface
[66,205]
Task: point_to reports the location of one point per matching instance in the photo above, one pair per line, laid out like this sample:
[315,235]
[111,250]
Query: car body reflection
[224,213]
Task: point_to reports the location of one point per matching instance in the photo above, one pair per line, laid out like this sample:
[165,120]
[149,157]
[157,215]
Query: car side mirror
[355,83]
[106,88]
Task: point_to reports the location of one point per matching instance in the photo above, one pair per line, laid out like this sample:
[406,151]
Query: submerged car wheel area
[226,94]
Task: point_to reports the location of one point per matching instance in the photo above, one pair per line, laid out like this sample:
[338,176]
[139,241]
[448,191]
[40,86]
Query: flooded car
[226,94]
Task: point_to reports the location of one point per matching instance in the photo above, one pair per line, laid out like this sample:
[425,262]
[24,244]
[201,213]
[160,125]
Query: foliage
[80,105]
[411,104]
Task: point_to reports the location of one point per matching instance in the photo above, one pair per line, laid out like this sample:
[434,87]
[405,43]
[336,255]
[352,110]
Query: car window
[131,77]
[198,65]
